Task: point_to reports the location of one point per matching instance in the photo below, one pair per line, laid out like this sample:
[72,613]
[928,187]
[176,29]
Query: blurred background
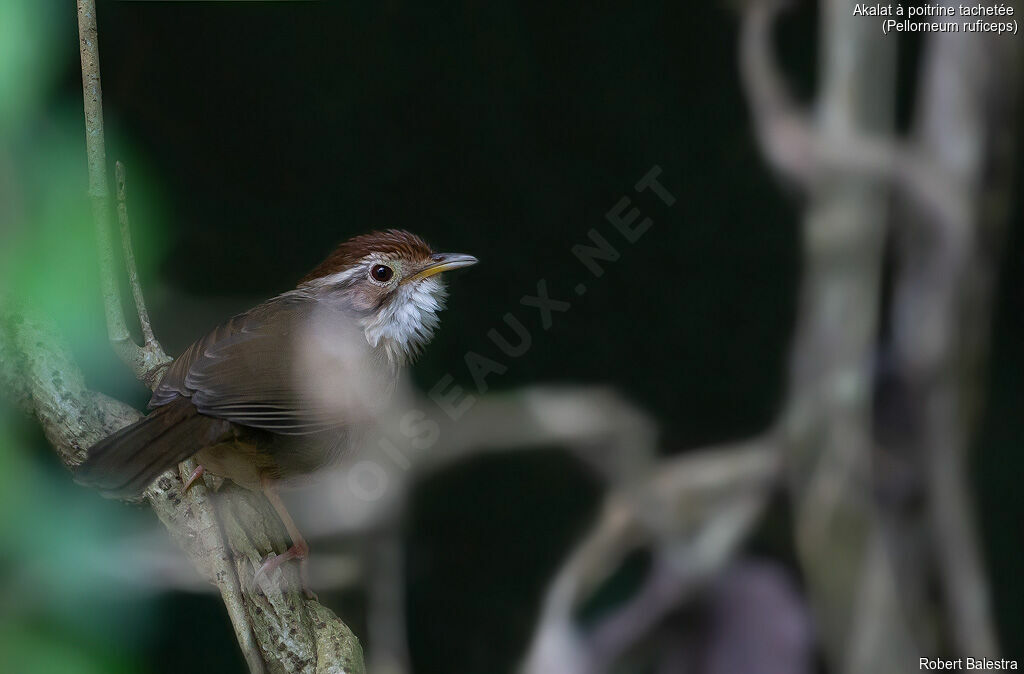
[259,135]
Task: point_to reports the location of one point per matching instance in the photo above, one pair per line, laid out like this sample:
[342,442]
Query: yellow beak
[443,262]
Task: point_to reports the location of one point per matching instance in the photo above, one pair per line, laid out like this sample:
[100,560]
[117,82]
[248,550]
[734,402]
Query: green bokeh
[31,53]
[61,609]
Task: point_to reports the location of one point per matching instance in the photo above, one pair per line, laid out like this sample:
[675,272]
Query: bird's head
[392,281]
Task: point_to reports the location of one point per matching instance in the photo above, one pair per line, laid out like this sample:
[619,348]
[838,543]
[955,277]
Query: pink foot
[299,552]
[196,474]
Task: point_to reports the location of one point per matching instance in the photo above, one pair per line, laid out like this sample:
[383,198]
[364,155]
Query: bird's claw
[273,561]
[196,474]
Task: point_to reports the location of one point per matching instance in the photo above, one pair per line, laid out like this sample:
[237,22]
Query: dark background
[276,130]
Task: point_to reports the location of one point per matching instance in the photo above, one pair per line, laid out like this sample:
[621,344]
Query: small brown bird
[287,387]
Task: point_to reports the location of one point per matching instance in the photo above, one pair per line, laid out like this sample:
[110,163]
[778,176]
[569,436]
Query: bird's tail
[123,464]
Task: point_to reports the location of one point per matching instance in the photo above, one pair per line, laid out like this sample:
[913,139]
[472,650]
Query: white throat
[406,324]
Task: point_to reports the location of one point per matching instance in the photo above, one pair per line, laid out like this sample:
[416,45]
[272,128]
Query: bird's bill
[443,262]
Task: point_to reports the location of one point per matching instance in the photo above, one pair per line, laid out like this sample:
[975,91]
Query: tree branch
[73,418]
[149,340]
[145,363]
[827,425]
[691,513]
[281,628]
[796,149]
[966,122]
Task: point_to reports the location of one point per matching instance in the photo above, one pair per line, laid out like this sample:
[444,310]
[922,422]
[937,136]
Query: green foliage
[58,564]
[32,46]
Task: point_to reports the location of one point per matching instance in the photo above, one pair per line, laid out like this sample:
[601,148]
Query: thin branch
[129,260]
[691,512]
[783,130]
[796,149]
[98,190]
[595,424]
[145,363]
[220,567]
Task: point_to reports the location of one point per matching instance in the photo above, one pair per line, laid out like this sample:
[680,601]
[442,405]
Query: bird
[276,393]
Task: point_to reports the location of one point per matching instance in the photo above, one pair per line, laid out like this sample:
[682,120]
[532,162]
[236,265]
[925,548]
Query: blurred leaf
[53,576]
[39,650]
[32,47]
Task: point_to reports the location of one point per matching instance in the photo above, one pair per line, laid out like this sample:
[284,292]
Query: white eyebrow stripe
[342,276]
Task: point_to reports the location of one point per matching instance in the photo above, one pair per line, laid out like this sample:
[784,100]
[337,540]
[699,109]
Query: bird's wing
[256,370]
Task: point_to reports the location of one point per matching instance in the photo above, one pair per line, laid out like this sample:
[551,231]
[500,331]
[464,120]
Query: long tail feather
[123,464]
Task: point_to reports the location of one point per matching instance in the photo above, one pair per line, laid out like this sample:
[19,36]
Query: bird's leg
[299,549]
[196,474]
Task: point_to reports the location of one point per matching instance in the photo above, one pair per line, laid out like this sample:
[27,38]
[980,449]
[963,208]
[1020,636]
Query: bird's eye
[381,273]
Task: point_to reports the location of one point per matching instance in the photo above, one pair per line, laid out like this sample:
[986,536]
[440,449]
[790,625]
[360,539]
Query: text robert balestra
[975,664]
